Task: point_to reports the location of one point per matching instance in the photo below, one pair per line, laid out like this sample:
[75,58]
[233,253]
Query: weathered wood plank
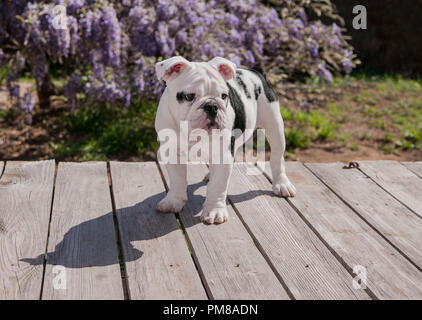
[305,264]
[389,274]
[415,167]
[82,236]
[26,190]
[396,179]
[384,213]
[230,263]
[157,258]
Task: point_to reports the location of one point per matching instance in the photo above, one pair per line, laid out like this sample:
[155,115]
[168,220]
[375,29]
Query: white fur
[204,79]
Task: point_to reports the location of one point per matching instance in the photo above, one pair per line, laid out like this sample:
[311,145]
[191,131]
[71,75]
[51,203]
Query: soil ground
[354,119]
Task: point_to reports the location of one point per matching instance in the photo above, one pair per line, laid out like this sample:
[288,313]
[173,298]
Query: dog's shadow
[89,243]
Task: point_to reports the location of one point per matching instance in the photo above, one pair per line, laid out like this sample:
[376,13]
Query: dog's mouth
[207,116]
[205,123]
[213,125]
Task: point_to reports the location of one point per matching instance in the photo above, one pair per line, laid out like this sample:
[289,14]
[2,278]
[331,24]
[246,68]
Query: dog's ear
[171,68]
[225,67]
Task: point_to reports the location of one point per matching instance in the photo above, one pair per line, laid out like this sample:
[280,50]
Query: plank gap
[262,251]
[333,252]
[48,229]
[365,220]
[2,168]
[237,271]
[123,273]
[25,198]
[415,167]
[391,275]
[307,266]
[391,194]
[187,241]
[82,238]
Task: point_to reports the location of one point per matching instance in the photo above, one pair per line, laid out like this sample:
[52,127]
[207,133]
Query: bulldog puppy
[215,95]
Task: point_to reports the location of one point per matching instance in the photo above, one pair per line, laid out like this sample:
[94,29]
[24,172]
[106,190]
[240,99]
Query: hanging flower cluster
[108,48]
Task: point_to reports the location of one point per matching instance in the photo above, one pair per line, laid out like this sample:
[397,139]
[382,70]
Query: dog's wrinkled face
[199,91]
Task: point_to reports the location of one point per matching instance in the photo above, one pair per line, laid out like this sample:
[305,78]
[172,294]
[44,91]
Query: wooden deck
[91,231]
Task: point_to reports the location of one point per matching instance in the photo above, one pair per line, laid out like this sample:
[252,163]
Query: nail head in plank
[384,213]
[305,264]
[230,263]
[389,274]
[400,182]
[82,236]
[26,189]
[157,259]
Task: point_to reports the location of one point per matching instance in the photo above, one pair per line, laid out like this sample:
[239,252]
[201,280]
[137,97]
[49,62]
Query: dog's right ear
[171,68]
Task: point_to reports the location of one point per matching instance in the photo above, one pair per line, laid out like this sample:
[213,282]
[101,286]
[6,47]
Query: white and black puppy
[217,95]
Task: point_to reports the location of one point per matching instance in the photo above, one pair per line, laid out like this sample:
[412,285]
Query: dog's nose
[211,109]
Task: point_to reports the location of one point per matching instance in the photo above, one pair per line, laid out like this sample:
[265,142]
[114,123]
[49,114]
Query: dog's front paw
[284,188]
[215,215]
[171,204]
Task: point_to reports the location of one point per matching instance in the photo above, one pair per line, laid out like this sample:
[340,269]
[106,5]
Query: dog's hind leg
[269,118]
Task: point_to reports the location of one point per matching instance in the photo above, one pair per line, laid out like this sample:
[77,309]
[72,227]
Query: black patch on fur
[256,90]
[259,69]
[242,84]
[180,96]
[239,109]
[269,92]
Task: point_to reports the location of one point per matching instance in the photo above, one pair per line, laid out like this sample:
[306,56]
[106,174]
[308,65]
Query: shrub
[107,49]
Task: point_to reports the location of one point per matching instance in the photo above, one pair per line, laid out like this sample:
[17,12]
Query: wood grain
[158,262]
[384,213]
[82,236]
[230,263]
[389,274]
[26,189]
[304,263]
[415,167]
[400,182]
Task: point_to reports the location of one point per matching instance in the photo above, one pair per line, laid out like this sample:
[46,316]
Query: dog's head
[199,90]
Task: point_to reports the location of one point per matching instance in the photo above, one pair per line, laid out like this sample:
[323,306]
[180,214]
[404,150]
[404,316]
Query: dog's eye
[189,97]
[224,96]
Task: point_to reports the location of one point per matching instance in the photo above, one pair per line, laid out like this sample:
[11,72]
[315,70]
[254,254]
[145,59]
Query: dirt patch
[368,119]
[365,120]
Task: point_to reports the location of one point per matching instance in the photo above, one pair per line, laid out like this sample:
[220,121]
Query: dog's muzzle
[211,110]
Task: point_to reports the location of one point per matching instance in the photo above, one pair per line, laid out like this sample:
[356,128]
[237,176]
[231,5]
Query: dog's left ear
[225,67]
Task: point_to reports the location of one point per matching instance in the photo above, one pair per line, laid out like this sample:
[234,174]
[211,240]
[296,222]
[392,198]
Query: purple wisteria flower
[324,73]
[347,61]
[109,47]
[313,49]
[28,102]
